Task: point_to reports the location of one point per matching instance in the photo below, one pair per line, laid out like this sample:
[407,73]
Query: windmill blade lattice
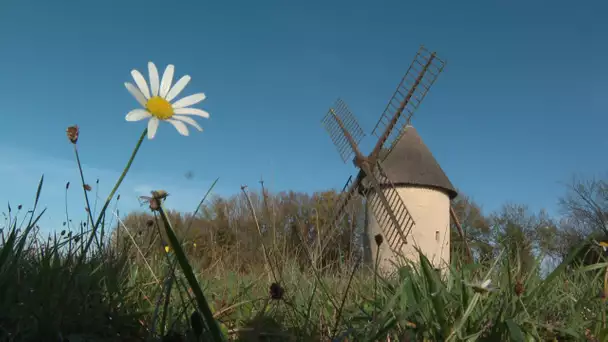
[412,89]
[340,123]
[349,192]
[346,134]
[396,235]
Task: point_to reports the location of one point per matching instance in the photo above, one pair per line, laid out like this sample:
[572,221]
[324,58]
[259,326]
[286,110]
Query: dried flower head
[72,133]
[159,194]
[378,239]
[154,204]
[87,187]
[155,200]
[19,207]
[589,335]
[276,291]
[149,223]
[519,288]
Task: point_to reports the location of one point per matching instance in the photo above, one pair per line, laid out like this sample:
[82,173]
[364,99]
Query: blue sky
[520,107]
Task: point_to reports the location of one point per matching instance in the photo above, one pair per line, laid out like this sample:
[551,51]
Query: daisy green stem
[111,195]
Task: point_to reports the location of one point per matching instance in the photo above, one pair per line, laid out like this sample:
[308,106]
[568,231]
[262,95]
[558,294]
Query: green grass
[51,291]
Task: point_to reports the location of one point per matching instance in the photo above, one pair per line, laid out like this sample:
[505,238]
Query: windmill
[410,166]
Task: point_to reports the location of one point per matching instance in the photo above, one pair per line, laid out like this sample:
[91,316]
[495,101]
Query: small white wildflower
[483,287]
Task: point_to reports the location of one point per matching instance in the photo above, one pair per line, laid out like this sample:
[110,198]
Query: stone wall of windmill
[427,193]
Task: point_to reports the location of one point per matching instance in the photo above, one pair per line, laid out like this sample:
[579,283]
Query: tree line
[294,226]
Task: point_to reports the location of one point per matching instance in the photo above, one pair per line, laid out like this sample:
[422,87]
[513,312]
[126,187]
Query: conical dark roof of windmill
[412,163]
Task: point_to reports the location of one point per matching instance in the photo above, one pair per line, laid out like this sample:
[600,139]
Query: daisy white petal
[141,83]
[137,114]
[136,94]
[152,127]
[189,100]
[154,83]
[188,120]
[177,88]
[165,84]
[179,126]
[192,111]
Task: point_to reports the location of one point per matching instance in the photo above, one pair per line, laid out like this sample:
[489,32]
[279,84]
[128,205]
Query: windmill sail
[395,230]
[412,89]
[348,193]
[346,134]
[343,129]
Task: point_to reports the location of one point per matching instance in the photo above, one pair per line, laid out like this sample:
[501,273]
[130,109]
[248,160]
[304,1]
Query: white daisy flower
[156,101]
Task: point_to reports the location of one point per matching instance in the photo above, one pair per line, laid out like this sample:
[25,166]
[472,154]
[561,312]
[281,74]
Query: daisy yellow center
[160,108]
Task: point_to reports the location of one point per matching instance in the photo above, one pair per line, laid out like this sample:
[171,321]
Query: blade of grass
[201,301]
[436,289]
[346,291]
[38,191]
[559,269]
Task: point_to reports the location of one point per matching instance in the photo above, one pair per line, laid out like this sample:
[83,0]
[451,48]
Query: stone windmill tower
[407,193]
[426,191]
